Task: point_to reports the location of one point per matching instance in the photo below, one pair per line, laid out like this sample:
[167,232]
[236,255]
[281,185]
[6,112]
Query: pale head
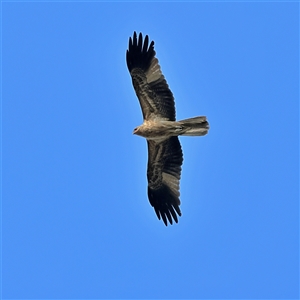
[136,130]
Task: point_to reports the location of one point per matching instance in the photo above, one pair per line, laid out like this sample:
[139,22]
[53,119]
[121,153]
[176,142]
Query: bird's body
[160,128]
[153,130]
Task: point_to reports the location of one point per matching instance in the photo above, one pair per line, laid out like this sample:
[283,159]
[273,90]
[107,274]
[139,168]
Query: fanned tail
[196,126]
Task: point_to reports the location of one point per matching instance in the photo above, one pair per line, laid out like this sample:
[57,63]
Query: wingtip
[140,53]
[164,211]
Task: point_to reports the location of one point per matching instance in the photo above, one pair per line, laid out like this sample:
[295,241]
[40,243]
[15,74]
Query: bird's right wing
[164,169]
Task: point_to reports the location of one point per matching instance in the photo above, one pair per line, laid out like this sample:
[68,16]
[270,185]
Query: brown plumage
[160,128]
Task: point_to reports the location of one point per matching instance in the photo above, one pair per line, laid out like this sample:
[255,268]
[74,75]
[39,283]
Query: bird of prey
[160,128]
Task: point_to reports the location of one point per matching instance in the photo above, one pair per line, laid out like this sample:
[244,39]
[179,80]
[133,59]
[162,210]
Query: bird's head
[136,130]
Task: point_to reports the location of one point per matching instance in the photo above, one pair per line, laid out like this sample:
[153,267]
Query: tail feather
[196,126]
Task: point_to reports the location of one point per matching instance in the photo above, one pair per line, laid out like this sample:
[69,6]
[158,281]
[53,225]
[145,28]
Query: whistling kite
[159,128]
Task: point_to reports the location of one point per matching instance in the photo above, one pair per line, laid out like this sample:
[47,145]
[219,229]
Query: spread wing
[151,88]
[164,169]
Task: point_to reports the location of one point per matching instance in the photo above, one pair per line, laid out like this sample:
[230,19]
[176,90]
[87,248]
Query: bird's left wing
[164,169]
[151,88]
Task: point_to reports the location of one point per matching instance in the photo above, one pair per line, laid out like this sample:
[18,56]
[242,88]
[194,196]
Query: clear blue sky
[76,221]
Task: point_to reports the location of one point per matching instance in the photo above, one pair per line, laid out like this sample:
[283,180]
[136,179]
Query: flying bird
[160,128]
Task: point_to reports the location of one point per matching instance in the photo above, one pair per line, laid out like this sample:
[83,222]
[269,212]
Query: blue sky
[76,221]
